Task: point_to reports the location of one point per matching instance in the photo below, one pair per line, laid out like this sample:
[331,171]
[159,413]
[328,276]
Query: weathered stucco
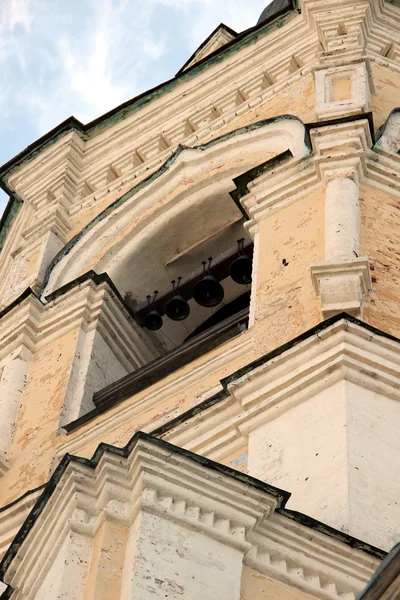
[256,586]
[31,451]
[299,402]
[380,240]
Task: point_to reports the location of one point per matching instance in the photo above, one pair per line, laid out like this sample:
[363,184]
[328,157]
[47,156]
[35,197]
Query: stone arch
[192,181]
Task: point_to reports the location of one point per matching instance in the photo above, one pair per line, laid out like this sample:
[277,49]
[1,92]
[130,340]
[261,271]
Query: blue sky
[83,57]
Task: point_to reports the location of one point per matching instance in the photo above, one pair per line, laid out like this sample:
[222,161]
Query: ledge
[162,367]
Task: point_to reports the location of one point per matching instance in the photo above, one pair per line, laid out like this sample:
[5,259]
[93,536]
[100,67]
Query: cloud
[91,55]
[201,13]
[84,57]
[16,12]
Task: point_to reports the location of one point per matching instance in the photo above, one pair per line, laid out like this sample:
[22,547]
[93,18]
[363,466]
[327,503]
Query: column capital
[341,150]
[341,285]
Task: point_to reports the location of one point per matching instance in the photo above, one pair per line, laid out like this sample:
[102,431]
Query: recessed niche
[340,88]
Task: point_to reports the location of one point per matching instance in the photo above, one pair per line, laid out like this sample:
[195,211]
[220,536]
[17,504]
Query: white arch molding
[191,190]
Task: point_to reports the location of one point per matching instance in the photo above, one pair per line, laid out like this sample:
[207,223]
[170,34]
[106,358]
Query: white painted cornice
[12,517]
[77,171]
[278,188]
[221,504]
[153,478]
[318,23]
[33,325]
[206,105]
[313,563]
[342,148]
[19,328]
[342,351]
[338,150]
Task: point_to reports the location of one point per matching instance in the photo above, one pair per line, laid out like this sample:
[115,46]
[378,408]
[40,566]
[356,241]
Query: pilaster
[314,417]
[343,279]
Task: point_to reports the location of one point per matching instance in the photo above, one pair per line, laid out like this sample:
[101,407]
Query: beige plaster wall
[286,305]
[380,240]
[31,451]
[256,586]
[386,96]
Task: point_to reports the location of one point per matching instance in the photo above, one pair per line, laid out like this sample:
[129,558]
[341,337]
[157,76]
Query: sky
[84,57]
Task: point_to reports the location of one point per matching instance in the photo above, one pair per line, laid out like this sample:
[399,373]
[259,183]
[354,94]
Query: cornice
[278,189]
[176,383]
[235,509]
[309,23]
[344,349]
[121,112]
[318,566]
[89,303]
[147,475]
[255,90]
[341,348]
[13,515]
[340,148]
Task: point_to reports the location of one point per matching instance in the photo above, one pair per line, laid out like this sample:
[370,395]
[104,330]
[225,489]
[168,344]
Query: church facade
[200,327]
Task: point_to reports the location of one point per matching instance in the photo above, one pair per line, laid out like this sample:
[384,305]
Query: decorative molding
[342,90]
[318,566]
[343,279]
[342,351]
[135,213]
[96,430]
[277,189]
[184,489]
[148,476]
[13,516]
[342,285]
[89,160]
[342,149]
[222,101]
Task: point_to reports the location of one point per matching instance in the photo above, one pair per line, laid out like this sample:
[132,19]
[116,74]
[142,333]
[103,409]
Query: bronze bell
[177,308]
[208,291]
[241,268]
[153,320]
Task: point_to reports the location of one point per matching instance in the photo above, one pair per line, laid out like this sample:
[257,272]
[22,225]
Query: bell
[153,319]
[177,308]
[240,270]
[208,291]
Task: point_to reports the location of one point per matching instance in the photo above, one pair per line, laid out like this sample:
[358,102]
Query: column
[342,220]
[343,278]
[12,384]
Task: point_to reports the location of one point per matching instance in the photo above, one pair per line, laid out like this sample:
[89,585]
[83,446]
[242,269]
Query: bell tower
[200,326]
